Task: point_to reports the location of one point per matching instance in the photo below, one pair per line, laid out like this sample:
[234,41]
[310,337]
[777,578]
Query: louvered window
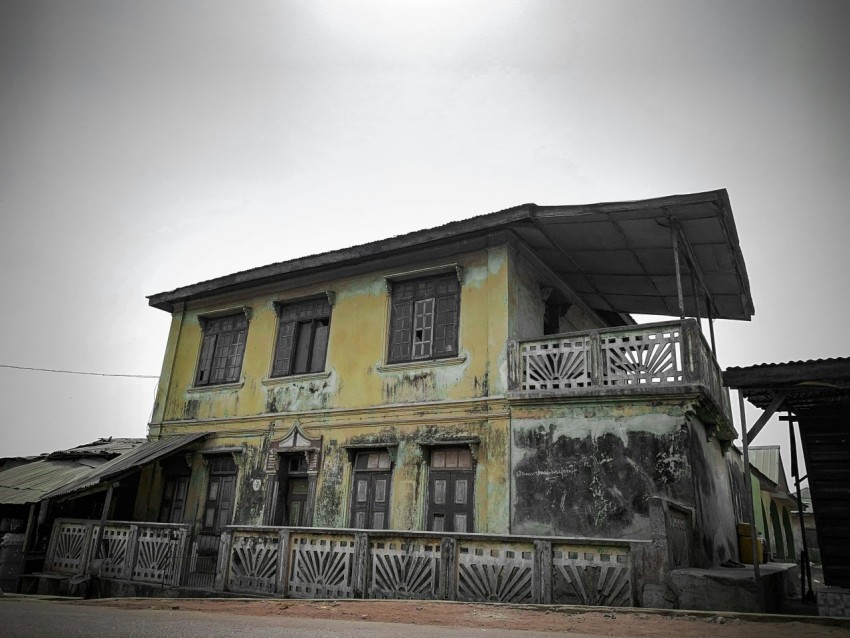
[222,350]
[302,337]
[424,319]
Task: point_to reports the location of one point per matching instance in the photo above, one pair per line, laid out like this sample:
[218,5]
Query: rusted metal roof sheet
[28,483]
[828,362]
[135,458]
[618,257]
[816,384]
[108,447]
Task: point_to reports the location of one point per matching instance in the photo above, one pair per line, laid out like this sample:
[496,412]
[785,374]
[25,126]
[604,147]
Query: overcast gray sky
[147,145]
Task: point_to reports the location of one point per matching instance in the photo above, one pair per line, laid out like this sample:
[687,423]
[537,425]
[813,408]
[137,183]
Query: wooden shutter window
[424,319]
[302,338]
[222,350]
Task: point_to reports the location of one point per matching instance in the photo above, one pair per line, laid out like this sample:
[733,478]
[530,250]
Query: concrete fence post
[284,537]
[541,570]
[223,564]
[360,571]
[448,569]
[132,553]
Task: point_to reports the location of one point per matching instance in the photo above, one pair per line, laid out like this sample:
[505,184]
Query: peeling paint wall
[408,492]
[713,496]
[590,470]
[527,305]
[526,302]
[355,374]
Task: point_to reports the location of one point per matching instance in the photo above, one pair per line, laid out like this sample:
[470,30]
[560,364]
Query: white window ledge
[420,364]
[293,378]
[216,387]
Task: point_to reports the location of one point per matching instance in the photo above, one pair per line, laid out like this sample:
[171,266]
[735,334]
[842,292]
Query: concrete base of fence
[730,589]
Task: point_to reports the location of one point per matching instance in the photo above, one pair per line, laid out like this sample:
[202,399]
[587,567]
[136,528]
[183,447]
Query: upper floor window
[222,349]
[424,319]
[302,337]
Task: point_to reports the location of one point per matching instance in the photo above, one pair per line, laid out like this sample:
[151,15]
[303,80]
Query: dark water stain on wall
[596,485]
[190,409]
[329,497]
[250,504]
[420,386]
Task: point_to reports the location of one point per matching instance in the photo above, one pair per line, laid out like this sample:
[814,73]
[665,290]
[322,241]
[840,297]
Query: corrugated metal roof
[616,256]
[760,366]
[145,453]
[107,447]
[29,483]
[768,460]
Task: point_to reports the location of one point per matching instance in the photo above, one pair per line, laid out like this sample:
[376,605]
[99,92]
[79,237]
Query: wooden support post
[675,234]
[711,326]
[778,399]
[751,513]
[805,567]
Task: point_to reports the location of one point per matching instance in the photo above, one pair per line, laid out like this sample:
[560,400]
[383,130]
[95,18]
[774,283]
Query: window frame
[209,351]
[371,474]
[279,370]
[450,474]
[415,305]
[219,476]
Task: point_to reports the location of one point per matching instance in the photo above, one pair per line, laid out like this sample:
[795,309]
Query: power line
[91,374]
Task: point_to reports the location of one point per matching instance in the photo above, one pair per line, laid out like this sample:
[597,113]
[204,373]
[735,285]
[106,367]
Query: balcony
[651,359]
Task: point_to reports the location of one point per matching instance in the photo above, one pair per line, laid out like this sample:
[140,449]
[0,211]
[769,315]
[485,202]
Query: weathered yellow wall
[411,428]
[355,372]
[358,400]
[527,305]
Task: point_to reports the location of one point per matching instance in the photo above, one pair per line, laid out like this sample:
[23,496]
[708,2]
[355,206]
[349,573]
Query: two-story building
[485,376]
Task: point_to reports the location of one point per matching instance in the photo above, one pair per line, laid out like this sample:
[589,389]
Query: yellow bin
[745,544]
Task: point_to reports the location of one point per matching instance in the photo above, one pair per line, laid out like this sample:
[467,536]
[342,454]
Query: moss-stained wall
[409,431]
[713,496]
[589,470]
[408,493]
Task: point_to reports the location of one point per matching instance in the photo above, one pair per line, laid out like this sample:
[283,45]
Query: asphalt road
[30,618]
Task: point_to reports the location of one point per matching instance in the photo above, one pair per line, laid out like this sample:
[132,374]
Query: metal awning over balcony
[620,257]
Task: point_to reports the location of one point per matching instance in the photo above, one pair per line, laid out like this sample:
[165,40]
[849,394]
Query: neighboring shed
[26,480]
[816,394]
[126,464]
[24,483]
